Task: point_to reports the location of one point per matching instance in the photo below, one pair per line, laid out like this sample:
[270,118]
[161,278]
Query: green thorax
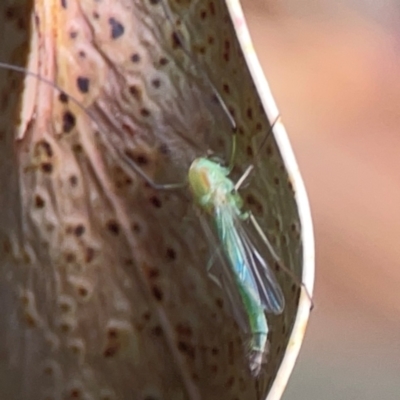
[211,187]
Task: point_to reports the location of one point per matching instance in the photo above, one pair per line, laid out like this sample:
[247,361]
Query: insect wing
[268,288]
[221,271]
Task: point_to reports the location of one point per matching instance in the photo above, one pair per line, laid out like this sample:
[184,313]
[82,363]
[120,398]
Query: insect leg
[121,155]
[250,168]
[216,93]
[257,227]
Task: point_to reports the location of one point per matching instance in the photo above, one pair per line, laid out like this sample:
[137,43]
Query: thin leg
[245,175]
[157,186]
[132,164]
[275,256]
[250,168]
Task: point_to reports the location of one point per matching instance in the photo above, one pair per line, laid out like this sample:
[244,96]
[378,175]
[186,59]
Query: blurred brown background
[334,70]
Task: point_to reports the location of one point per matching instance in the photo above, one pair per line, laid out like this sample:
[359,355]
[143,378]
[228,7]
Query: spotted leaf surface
[103,278]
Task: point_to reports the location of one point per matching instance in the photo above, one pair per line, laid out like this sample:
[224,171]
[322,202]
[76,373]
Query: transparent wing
[249,264]
[220,270]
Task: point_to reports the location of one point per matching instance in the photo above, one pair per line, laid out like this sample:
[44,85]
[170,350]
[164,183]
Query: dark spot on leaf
[229,383]
[117,29]
[211,7]
[43,144]
[111,350]
[63,97]
[73,180]
[79,230]
[136,227]
[73,34]
[64,4]
[187,349]
[195,377]
[135,57]
[75,393]
[113,227]
[155,201]
[164,149]
[136,92]
[7,246]
[146,316]
[144,112]
[39,202]
[89,254]
[250,200]
[171,254]
[153,273]
[219,302]
[163,61]
[156,83]
[77,148]
[142,160]
[83,84]
[22,23]
[176,42]
[69,121]
[10,12]
[157,293]
[129,262]
[70,257]
[65,327]
[112,333]
[47,168]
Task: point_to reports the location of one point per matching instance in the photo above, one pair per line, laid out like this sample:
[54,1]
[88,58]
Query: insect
[216,194]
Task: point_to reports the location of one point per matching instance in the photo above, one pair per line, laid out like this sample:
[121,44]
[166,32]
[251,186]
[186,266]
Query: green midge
[217,195]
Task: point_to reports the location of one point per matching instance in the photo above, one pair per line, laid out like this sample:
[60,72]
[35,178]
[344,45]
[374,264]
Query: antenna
[196,64]
[123,156]
[219,98]
[250,168]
